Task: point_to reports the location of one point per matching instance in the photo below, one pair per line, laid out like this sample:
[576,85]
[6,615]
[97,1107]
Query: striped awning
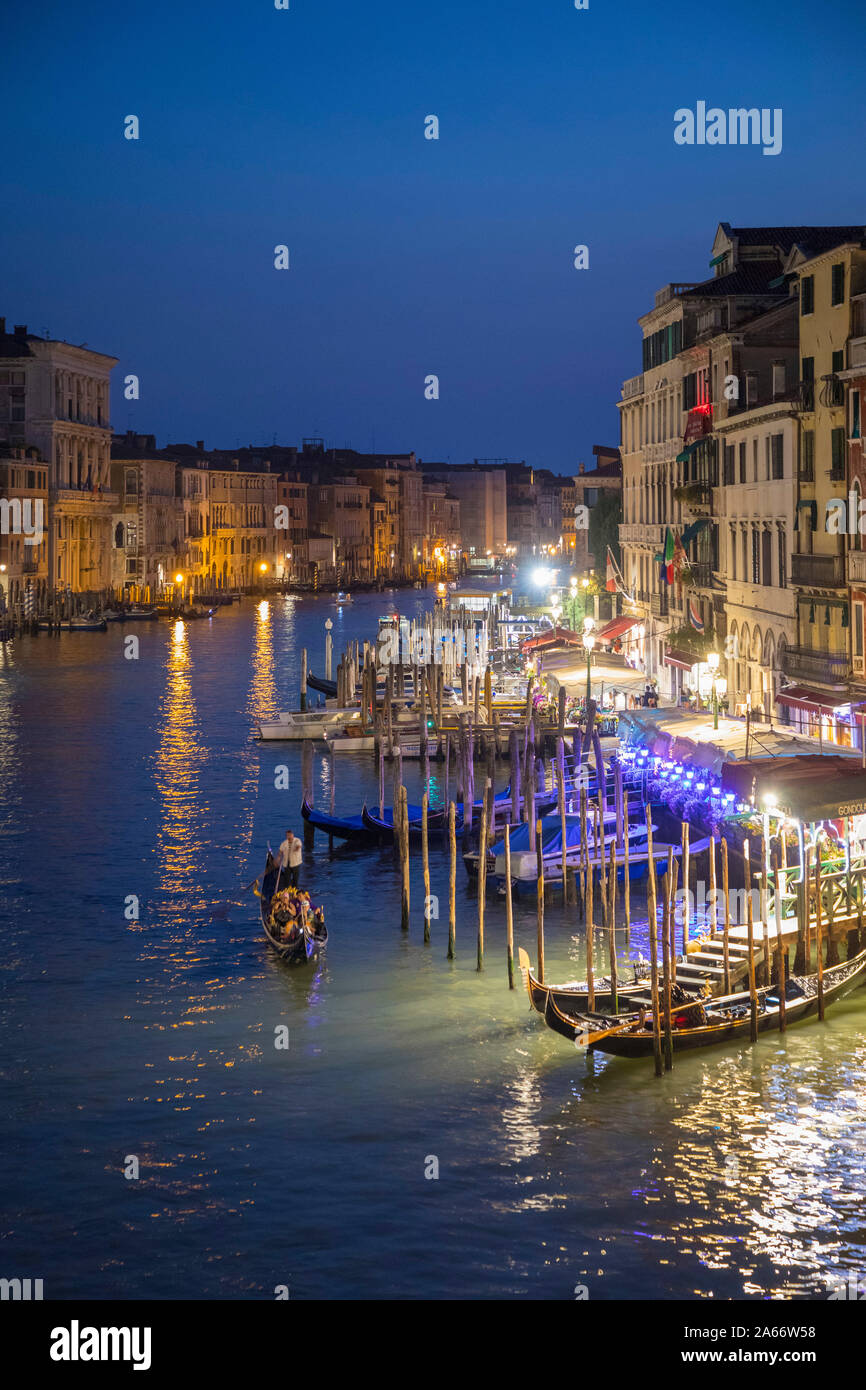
[616,628]
[812,701]
[684,660]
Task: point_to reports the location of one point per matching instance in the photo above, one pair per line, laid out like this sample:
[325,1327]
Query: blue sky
[408,256]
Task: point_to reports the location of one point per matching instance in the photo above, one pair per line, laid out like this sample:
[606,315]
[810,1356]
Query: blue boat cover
[551,836]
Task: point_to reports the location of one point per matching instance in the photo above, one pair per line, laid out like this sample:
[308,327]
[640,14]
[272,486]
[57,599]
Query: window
[778,379]
[807,457]
[766,558]
[754,460]
[130,482]
[728,464]
[855,413]
[783,559]
[756,555]
[777,456]
[690,392]
[743,462]
[857,634]
[837,283]
[837,389]
[807,376]
[751,388]
[807,294]
[837,454]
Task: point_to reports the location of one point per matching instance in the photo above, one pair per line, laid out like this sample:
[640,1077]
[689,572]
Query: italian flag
[669,556]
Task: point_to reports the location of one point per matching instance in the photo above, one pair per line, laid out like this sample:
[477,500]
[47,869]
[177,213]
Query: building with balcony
[480,489]
[148,526]
[826,272]
[341,509]
[54,396]
[24,528]
[588,486]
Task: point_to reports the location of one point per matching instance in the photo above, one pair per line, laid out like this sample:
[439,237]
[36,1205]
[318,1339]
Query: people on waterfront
[290,856]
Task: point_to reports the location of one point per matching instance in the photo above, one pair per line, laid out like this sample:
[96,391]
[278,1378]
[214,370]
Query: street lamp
[713,663]
[588,644]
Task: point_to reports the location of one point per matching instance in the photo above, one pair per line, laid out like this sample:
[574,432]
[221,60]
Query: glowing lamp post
[713,663]
[588,644]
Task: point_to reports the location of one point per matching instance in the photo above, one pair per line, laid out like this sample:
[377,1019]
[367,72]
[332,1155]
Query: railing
[804,663]
[818,571]
[702,574]
[632,387]
[672,291]
[857,566]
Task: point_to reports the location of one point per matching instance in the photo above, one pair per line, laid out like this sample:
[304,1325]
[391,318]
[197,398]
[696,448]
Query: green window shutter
[839,361]
[837,290]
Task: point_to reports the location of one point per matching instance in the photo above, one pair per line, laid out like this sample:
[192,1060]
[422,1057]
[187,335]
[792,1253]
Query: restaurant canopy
[608,673]
[553,637]
[812,701]
[617,627]
[690,737]
[814,788]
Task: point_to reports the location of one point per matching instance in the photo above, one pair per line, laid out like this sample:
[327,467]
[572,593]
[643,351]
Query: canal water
[150,1041]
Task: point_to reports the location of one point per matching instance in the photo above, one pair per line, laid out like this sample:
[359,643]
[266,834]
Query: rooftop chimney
[21,330]
[2,325]
[581,468]
[199,444]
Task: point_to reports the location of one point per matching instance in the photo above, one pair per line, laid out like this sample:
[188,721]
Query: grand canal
[740,1175]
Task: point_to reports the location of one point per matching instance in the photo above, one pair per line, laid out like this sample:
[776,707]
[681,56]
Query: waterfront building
[24,498]
[588,486]
[292,555]
[442,538]
[670,449]
[480,489]
[755,503]
[341,510]
[54,396]
[854,377]
[244,540]
[396,481]
[192,485]
[826,269]
[147,538]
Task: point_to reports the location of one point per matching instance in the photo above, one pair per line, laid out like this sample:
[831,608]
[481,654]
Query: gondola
[306,944]
[324,687]
[702,1024]
[574,997]
[341,827]
[437,819]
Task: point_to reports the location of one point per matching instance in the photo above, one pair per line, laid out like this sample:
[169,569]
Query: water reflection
[178,760]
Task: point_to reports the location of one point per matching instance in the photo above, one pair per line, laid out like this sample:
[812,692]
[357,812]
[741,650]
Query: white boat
[309,724]
[344,598]
[350,740]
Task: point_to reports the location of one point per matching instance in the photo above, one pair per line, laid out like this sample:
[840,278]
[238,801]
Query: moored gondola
[573,997]
[384,827]
[324,687]
[295,944]
[702,1024]
[350,828]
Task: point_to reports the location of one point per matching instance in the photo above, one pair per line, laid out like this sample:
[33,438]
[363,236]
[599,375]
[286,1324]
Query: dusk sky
[408,256]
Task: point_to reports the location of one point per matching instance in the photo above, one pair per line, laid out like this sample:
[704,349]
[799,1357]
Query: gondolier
[290,857]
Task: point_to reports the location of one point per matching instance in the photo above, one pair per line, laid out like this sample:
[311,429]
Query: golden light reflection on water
[178,760]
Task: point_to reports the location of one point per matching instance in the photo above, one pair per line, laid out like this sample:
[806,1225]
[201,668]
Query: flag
[680,557]
[668,562]
[610,580]
[614,582]
[695,618]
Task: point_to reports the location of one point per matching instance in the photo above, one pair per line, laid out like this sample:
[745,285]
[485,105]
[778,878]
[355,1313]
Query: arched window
[118,536]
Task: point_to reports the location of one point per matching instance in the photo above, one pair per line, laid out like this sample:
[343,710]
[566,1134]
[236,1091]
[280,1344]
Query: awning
[684,660]
[616,627]
[813,701]
[820,787]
